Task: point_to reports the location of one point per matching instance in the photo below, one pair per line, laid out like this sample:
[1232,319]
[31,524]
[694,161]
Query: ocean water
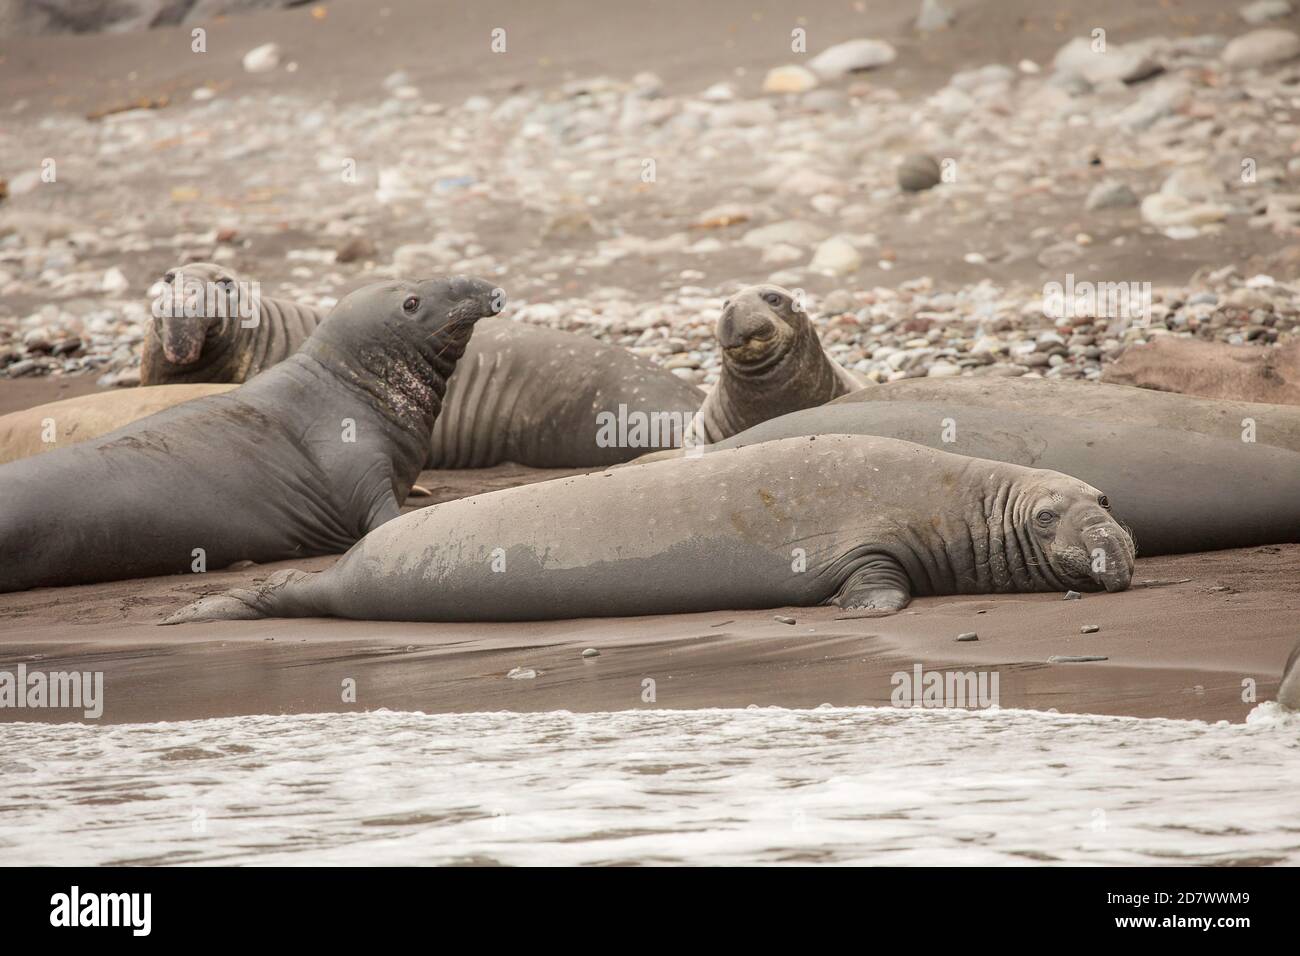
[760,786]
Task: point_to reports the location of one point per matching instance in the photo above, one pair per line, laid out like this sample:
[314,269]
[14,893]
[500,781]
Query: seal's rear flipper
[218,607]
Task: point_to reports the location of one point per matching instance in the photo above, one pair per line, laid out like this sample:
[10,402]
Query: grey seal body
[1176,491]
[1277,425]
[552,399]
[772,363]
[304,459]
[229,333]
[848,520]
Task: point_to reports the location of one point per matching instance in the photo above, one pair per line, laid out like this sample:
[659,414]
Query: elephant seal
[212,325]
[1277,425]
[772,363]
[1288,694]
[304,459]
[72,420]
[1176,491]
[1246,373]
[550,399]
[846,520]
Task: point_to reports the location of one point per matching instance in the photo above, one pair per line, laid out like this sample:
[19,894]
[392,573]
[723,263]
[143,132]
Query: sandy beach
[1180,643]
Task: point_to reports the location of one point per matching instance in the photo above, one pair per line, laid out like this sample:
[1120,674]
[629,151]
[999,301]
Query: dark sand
[1174,649]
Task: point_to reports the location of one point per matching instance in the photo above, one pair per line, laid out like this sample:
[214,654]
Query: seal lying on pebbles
[1246,373]
[772,363]
[840,519]
[210,325]
[304,459]
[1277,425]
[521,393]
[1176,491]
[72,420]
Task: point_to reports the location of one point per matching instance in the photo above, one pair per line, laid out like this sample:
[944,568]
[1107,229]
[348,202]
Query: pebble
[933,16]
[1075,658]
[522,673]
[1264,10]
[591,652]
[262,59]
[789,79]
[918,172]
[852,56]
[1261,48]
[1072,595]
[968,636]
[1089,629]
[837,257]
[1111,194]
[782,619]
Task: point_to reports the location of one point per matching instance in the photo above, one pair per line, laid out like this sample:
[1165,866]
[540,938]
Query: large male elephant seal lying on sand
[1277,425]
[772,363]
[1245,373]
[1176,491]
[304,459]
[530,395]
[846,520]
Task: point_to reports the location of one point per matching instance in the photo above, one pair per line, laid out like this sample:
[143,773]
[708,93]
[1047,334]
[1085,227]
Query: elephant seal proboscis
[839,519]
[66,422]
[304,459]
[1176,491]
[212,325]
[772,363]
[1277,425]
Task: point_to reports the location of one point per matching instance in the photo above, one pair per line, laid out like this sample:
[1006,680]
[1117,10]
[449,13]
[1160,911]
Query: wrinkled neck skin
[800,377]
[982,545]
[401,379]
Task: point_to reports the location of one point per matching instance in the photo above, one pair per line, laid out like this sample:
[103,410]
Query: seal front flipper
[879,584]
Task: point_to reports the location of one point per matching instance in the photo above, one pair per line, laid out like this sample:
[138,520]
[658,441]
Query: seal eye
[1045,517]
[1103,501]
[169,278]
[771,298]
[410,305]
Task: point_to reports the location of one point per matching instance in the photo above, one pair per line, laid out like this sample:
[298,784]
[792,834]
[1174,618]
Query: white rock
[852,56]
[1261,48]
[789,79]
[1194,183]
[781,252]
[114,282]
[24,182]
[1111,194]
[1264,10]
[933,16]
[943,370]
[836,256]
[793,232]
[1164,211]
[262,59]
[1118,63]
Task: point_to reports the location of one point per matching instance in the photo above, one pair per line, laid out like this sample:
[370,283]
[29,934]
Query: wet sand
[1179,647]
